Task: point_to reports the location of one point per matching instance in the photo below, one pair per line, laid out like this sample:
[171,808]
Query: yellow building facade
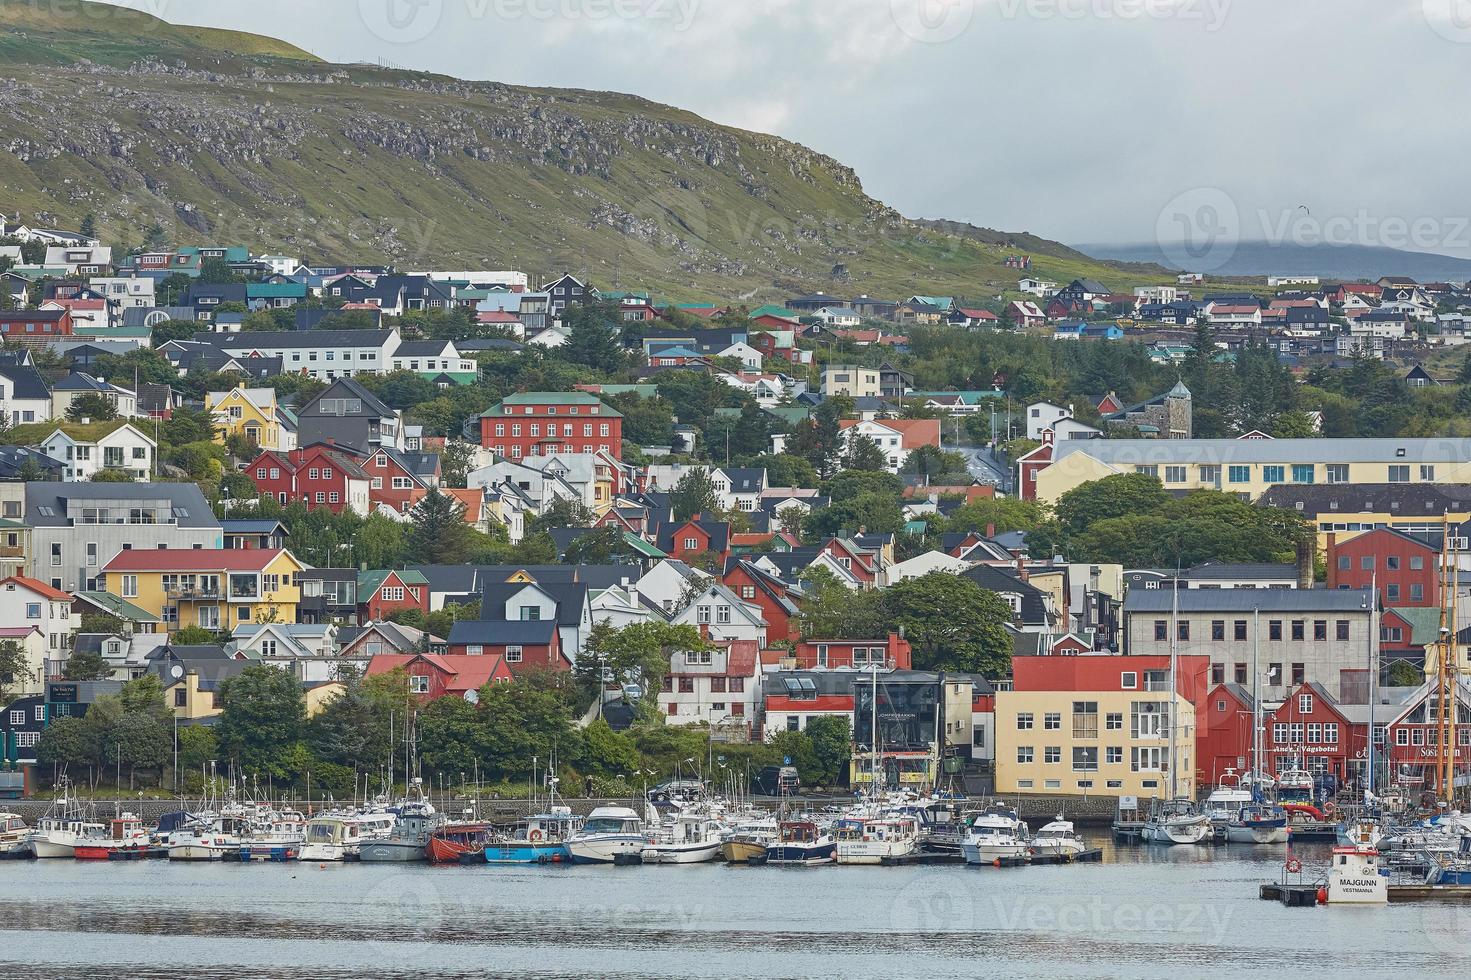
[253,414]
[1093,743]
[215,589]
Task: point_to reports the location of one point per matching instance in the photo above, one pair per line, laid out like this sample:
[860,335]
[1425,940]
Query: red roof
[741,660]
[916,432]
[978,314]
[464,672]
[39,587]
[497,316]
[193,560]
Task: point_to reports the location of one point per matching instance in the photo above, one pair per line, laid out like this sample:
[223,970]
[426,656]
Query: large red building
[317,475]
[778,600]
[34,328]
[550,423]
[893,652]
[1307,730]
[1406,568]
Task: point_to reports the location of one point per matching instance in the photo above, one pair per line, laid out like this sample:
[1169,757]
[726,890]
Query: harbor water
[1166,912]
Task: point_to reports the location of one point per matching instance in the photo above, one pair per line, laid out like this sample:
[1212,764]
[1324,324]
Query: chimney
[1307,552]
[990,530]
[1021,568]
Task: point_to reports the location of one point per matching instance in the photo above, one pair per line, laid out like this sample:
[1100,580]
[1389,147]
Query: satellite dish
[473,696]
[176,671]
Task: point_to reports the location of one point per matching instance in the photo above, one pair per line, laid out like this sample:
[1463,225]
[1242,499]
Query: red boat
[126,840]
[458,842]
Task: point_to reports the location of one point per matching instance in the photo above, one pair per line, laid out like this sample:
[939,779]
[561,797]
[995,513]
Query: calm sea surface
[1162,912]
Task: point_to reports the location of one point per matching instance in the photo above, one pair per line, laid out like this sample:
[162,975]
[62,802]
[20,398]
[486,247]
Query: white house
[720,614]
[125,292]
[718,687]
[921,565]
[1036,287]
[749,356]
[31,602]
[123,400]
[669,584]
[1042,416]
[280,265]
[739,489]
[543,479]
[619,606]
[309,651]
[838,316]
[84,260]
[322,354]
[89,449]
[23,395]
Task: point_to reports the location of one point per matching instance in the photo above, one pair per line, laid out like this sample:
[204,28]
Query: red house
[533,644]
[318,476]
[1223,733]
[384,592]
[34,328]
[1308,731]
[696,536]
[1028,465]
[436,675]
[1406,568]
[893,652]
[1412,737]
[392,482]
[777,600]
[864,565]
[547,423]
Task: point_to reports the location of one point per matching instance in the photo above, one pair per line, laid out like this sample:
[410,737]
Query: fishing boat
[1058,838]
[540,839]
[693,837]
[56,834]
[123,839]
[610,834]
[1355,877]
[801,842]
[415,822]
[13,832]
[216,840]
[748,840]
[1175,822]
[874,840]
[333,839]
[458,842]
[1258,823]
[994,835]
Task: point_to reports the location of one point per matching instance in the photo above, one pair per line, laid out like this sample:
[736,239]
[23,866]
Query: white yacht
[332,839]
[1225,802]
[994,835]
[610,833]
[874,840]
[1176,822]
[56,834]
[694,837]
[217,840]
[1058,837]
[13,831]
[1258,823]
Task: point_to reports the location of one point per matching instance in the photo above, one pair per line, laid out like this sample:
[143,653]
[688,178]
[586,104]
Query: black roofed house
[347,414]
[565,603]
[525,644]
[321,354]
[1418,377]
[568,290]
[206,298]
[192,676]
[328,595]
[23,394]
[1031,608]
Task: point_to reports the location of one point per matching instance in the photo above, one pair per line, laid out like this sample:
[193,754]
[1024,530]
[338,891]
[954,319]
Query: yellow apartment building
[217,588]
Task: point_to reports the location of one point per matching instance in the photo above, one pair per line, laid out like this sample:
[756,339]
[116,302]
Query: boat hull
[393,852]
[1183,833]
[45,847]
[742,851]
[201,851]
[989,853]
[330,852]
[681,854]
[606,849]
[873,852]
[269,853]
[527,853]
[801,855]
[1055,848]
[1265,833]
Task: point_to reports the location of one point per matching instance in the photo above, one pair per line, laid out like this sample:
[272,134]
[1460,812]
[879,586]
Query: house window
[1274,474]
[1399,474]
[1299,675]
[418,685]
[1240,630]
[1182,629]
[1304,702]
[1274,630]
[1218,674]
[1128,680]
[1299,629]
[513,654]
[1114,755]
[686,685]
[1303,472]
[1337,472]
[1024,754]
[1239,474]
[1320,629]
[1161,629]
[1052,721]
[1024,721]
[1085,759]
[1218,629]
[33,610]
[130,586]
[1113,721]
[530,613]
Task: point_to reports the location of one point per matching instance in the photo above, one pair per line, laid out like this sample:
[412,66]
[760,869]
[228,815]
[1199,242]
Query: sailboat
[1178,820]
[1257,822]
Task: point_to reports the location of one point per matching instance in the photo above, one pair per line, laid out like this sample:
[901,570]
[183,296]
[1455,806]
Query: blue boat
[1451,869]
[541,839]
[801,842]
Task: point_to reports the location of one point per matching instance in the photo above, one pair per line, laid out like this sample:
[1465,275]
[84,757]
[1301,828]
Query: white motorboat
[801,842]
[1058,838]
[994,835]
[692,838]
[1258,823]
[610,834]
[13,831]
[874,840]
[56,834]
[217,840]
[332,838]
[1225,802]
[1176,822]
[1355,879]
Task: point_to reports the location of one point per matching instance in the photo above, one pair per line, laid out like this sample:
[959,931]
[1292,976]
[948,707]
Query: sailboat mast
[1256,701]
[1373,682]
[873,741]
[1174,655]
[1444,688]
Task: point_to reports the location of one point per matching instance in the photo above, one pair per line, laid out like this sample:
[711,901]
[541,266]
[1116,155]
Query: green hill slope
[221,137]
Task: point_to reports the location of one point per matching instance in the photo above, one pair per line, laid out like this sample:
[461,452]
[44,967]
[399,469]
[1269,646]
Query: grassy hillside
[231,138]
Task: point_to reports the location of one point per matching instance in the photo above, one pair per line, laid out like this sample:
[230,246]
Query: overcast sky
[1081,120]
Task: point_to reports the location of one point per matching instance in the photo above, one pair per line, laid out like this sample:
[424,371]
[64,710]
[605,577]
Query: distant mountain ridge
[220,137]
[1349,262]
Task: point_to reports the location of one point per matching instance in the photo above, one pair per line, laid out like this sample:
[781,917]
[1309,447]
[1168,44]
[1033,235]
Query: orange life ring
[1294,866]
[534,836]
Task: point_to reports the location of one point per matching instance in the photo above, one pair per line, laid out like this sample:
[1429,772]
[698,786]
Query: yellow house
[1250,467]
[254,414]
[215,588]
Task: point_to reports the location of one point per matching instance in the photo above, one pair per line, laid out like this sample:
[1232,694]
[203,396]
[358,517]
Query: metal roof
[1153,452]
[1245,600]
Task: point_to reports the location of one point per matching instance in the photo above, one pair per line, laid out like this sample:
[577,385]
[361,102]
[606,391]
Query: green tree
[562,512]
[91,405]
[864,454]
[437,533]
[218,271]
[951,623]
[694,494]
[636,654]
[832,747]
[454,464]
[86,665]
[1113,496]
[88,227]
[15,671]
[594,338]
[379,543]
[264,717]
[197,747]
[787,471]
[68,741]
[832,611]
[195,636]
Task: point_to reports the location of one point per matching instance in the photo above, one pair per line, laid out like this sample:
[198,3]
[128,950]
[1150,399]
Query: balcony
[195,593]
